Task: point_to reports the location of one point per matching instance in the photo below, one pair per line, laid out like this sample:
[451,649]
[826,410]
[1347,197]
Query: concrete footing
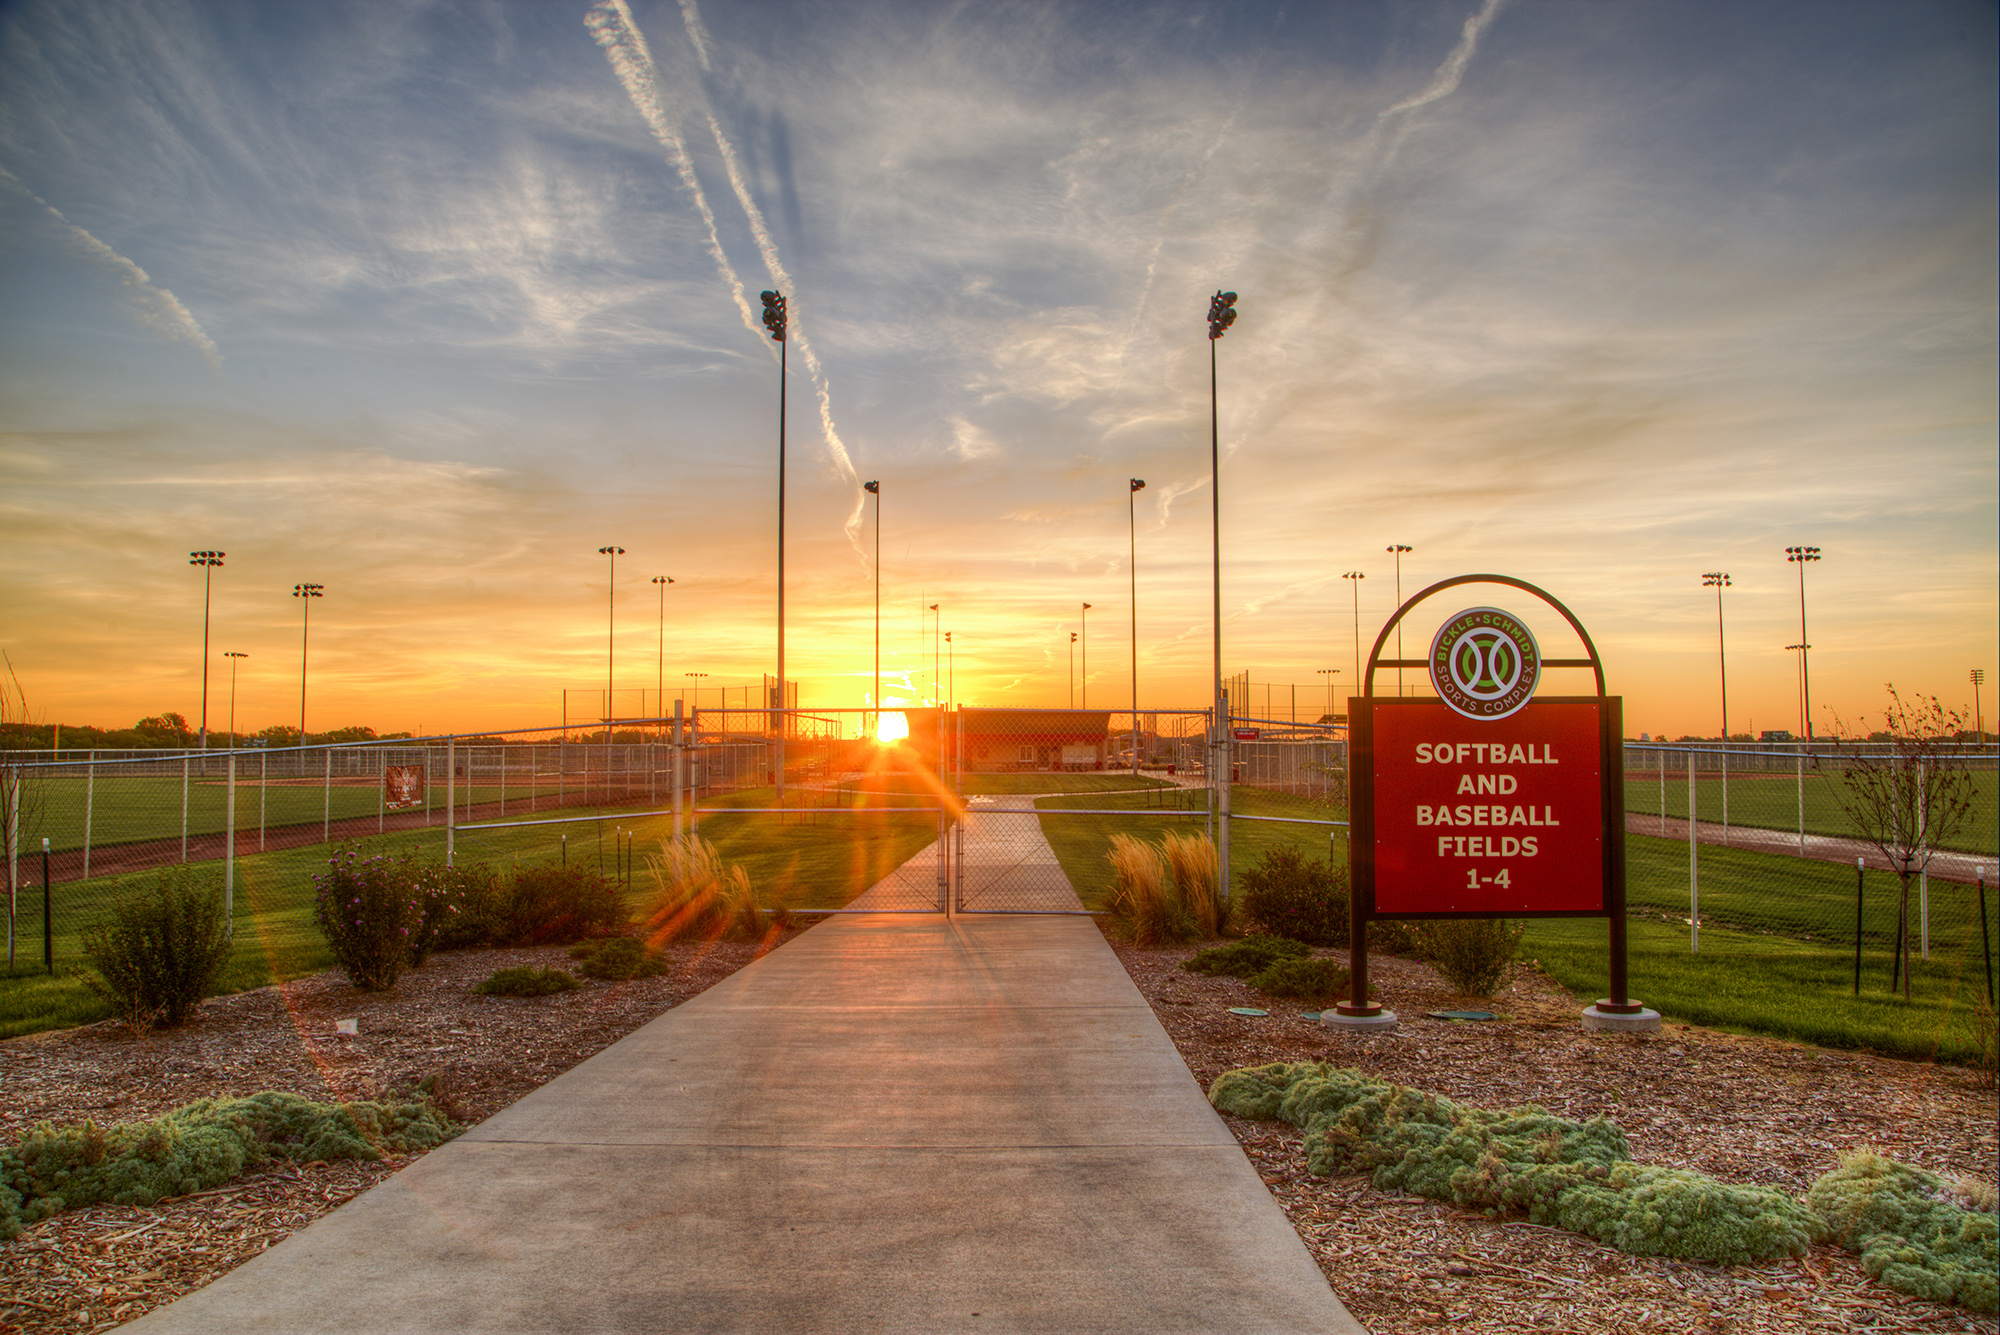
[1380,1023]
[1641,1022]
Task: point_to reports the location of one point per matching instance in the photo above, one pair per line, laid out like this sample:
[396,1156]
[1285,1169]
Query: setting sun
[892,728]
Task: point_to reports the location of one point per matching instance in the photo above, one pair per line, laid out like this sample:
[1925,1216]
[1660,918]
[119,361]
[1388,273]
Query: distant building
[1774,735]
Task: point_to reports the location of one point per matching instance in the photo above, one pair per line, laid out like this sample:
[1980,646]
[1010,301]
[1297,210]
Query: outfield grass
[1771,802]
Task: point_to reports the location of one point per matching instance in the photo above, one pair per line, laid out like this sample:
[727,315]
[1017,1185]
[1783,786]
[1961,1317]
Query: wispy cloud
[153,306]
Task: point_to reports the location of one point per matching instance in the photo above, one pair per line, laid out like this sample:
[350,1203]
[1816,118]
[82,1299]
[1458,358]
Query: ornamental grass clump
[1913,1231]
[161,950]
[699,896]
[1240,959]
[372,913]
[1573,1175]
[1193,860]
[197,1147]
[1144,905]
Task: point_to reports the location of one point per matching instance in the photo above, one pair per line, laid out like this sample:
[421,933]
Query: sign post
[1488,801]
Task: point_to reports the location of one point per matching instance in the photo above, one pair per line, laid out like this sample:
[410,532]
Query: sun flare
[892,727]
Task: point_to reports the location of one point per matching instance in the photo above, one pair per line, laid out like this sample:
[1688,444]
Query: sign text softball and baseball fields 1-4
[1488,815]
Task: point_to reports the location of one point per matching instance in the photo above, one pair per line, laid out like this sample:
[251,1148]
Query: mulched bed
[1748,1109]
[1740,1108]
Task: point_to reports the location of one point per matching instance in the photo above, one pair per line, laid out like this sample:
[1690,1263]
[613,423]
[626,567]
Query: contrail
[611,24]
[768,249]
[1445,82]
[156,308]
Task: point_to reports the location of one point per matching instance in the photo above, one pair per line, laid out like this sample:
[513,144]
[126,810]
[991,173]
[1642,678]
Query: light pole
[660,680]
[610,632]
[875,489]
[1356,576]
[1719,580]
[777,322]
[937,620]
[694,688]
[1801,649]
[1221,315]
[1132,529]
[305,592]
[1978,719]
[1329,674]
[1397,549]
[951,670]
[1801,557]
[208,561]
[1072,669]
[232,656]
[1086,655]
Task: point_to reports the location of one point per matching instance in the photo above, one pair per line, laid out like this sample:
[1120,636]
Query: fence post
[1694,866]
[13,817]
[450,799]
[48,933]
[326,808]
[1859,872]
[1923,877]
[1985,944]
[381,789]
[229,855]
[184,808]
[1800,756]
[1725,790]
[89,796]
[1663,790]
[674,781]
[263,786]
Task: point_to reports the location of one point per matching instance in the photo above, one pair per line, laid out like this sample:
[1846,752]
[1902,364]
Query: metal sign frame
[1362,713]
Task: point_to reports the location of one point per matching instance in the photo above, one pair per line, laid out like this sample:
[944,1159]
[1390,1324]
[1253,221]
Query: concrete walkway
[894,1123]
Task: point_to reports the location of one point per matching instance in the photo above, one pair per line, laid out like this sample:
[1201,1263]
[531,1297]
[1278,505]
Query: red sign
[1246,734]
[1487,816]
[402,787]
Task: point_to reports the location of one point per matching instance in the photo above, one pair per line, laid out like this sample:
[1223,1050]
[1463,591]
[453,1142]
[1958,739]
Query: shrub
[162,948]
[1910,1233]
[1290,894]
[697,895]
[1308,980]
[371,911]
[618,958]
[1574,1175]
[1476,955]
[470,907]
[1240,959]
[526,982]
[553,904]
[1392,936]
[197,1147]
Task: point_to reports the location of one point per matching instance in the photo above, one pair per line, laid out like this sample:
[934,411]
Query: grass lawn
[1771,802]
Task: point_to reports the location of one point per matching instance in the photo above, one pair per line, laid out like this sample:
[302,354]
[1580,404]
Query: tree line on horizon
[169,731]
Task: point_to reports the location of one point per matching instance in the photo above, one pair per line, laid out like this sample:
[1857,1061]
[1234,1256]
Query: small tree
[1910,800]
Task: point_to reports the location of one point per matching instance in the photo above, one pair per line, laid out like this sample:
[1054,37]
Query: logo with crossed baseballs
[1485,663]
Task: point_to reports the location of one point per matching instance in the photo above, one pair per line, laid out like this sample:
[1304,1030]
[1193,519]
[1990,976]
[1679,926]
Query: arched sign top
[1485,696]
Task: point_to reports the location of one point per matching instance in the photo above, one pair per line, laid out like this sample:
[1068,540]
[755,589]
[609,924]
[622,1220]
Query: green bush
[1476,955]
[1392,936]
[372,912]
[526,982]
[161,950]
[1909,1232]
[467,907]
[1240,959]
[1574,1175]
[1308,980]
[1290,894]
[554,904]
[196,1147]
[618,958]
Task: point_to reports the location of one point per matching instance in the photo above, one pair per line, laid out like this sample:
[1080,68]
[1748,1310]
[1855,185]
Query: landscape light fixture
[306,593]
[232,656]
[1719,580]
[1356,576]
[660,681]
[1397,549]
[208,561]
[610,632]
[875,489]
[1086,656]
[1802,557]
[1132,528]
[778,322]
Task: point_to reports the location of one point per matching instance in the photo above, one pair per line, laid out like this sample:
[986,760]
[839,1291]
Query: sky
[428,302]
